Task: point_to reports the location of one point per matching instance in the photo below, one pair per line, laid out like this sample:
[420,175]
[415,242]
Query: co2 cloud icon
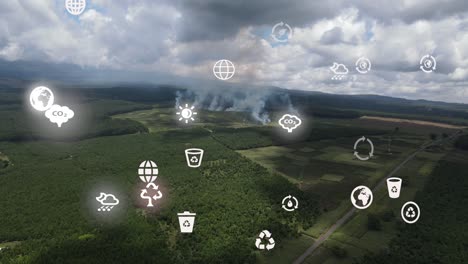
[290,122]
[59,114]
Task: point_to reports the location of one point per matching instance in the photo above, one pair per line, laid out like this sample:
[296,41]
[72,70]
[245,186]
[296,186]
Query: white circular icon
[281,32]
[371,152]
[363,65]
[410,212]
[148,171]
[41,98]
[290,203]
[428,63]
[361,197]
[224,69]
[75,7]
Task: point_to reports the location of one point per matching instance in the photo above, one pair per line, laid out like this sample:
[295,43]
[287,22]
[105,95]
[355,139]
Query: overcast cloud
[185,38]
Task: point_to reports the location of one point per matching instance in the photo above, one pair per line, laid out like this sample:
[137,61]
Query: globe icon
[224,69]
[428,63]
[148,171]
[41,98]
[75,7]
[361,197]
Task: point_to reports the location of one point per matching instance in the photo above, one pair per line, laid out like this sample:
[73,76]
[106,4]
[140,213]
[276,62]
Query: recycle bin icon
[186,221]
[194,157]
[394,187]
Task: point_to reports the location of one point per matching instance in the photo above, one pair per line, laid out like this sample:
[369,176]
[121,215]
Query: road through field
[351,212]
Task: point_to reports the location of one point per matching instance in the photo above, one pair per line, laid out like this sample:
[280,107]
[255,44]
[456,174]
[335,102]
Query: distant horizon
[184,39]
[184,83]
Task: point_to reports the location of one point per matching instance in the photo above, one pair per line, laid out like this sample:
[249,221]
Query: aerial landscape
[247,170]
[192,132]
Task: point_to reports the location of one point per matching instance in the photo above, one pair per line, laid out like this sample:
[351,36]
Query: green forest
[233,199]
[49,182]
[440,235]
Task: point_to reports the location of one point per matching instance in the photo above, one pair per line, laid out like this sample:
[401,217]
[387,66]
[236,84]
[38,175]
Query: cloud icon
[339,68]
[107,199]
[290,122]
[59,114]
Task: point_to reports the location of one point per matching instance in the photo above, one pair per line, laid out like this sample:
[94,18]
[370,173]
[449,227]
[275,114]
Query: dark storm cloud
[219,19]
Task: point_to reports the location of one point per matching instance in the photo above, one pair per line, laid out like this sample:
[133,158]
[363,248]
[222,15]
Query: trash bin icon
[394,187]
[194,157]
[186,221]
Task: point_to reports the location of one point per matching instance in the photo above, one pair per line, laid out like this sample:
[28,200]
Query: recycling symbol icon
[371,152]
[145,193]
[410,213]
[265,241]
[186,223]
[394,189]
[290,203]
[194,159]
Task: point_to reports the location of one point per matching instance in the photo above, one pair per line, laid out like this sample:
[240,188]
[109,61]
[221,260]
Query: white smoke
[286,100]
[236,99]
[255,104]
[177,101]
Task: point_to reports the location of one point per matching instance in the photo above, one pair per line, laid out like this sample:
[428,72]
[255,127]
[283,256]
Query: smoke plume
[259,102]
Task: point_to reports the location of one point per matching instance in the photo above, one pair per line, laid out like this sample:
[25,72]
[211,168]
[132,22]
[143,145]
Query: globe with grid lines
[75,7]
[148,171]
[224,69]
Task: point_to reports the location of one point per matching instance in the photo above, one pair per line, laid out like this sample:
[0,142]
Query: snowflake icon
[394,189]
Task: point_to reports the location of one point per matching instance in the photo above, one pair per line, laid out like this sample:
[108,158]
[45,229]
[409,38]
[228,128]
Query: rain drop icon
[290,203]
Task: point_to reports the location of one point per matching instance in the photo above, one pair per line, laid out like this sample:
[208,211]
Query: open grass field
[162,119]
[155,119]
[414,123]
[289,250]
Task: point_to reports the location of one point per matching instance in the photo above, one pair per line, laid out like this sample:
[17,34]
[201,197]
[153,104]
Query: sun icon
[186,113]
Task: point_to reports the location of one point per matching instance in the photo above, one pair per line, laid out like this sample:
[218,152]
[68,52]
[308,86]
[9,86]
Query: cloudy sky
[186,37]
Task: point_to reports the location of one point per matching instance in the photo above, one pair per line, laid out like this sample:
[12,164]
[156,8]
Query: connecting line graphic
[144,194]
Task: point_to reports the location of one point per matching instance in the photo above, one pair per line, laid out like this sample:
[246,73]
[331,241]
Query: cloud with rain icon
[108,201]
